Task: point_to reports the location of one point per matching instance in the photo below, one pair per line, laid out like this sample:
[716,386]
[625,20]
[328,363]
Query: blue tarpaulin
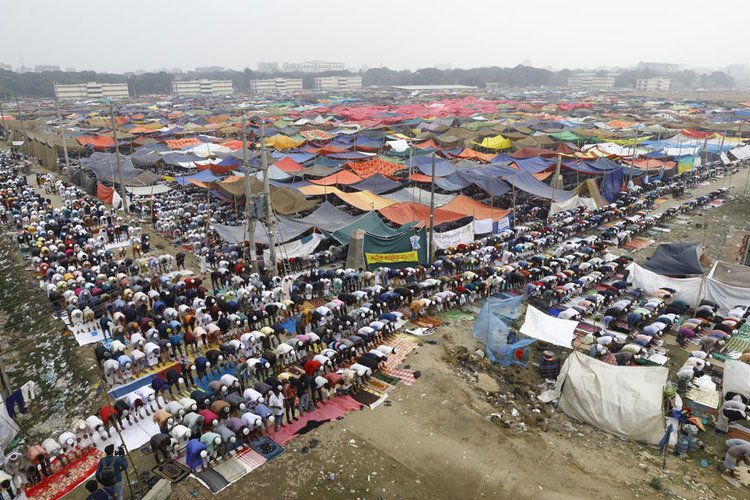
[530,184]
[612,184]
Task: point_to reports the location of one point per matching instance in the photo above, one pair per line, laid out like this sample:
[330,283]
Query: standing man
[110,469]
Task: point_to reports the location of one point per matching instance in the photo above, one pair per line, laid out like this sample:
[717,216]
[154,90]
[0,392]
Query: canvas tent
[687,289]
[676,259]
[623,400]
[728,285]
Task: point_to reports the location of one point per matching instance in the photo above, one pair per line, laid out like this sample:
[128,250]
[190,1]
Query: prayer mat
[231,470]
[266,447]
[67,478]
[736,431]
[211,480]
[431,320]
[386,378]
[333,409]
[366,397]
[457,315]
[704,397]
[406,376]
[172,471]
[554,312]
[637,244]
[736,345]
[250,459]
[403,345]
[379,386]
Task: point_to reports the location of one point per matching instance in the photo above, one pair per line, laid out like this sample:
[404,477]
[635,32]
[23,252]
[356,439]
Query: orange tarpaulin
[288,165]
[470,154]
[343,177]
[466,205]
[653,164]
[234,145]
[429,144]
[403,213]
[104,193]
[375,166]
[217,119]
[96,141]
[421,178]
[182,143]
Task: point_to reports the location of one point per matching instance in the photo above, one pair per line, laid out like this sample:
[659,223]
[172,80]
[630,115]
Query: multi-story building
[41,68]
[209,69]
[663,67]
[338,83]
[275,86]
[653,84]
[268,67]
[591,81]
[314,67]
[202,87]
[92,90]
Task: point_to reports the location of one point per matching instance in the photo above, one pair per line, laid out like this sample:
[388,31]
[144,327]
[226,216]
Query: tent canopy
[623,400]
[676,259]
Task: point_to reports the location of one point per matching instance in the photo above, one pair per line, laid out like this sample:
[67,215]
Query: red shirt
[107,412]
[311,367]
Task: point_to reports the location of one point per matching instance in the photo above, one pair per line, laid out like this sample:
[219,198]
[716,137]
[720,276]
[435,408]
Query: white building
[92,90]
[275,85]
[268,67]
[338,83]
[314,67]
[591,81]
[202,87]
[653,84]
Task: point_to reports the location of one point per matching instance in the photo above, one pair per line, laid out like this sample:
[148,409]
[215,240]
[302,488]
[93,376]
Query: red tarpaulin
[288,165]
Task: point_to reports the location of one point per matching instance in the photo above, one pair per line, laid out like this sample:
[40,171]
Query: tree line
[41,85]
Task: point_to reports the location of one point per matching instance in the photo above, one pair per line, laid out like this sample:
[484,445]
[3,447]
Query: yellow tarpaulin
[363,200]
[279,141]
[497,142]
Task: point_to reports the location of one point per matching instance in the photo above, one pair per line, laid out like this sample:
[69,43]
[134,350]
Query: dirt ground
[469,429]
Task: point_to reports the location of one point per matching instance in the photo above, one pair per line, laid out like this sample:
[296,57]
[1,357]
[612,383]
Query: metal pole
[62,133]
[249,218]
[432,213]
[267,193]
[117,157]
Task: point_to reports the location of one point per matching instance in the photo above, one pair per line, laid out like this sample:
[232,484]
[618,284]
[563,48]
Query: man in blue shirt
[109,471]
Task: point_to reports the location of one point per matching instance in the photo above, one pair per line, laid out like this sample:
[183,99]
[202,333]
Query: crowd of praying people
[227,329]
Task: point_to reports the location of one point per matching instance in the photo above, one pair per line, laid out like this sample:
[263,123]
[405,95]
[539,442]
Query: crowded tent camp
[238,272]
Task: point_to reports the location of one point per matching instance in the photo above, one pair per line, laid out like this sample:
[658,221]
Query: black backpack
[107,472]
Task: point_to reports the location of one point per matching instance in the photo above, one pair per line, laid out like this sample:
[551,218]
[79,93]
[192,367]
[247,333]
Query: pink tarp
[330,410]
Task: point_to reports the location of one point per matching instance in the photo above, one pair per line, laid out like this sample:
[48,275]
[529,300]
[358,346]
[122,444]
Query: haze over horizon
[141,35]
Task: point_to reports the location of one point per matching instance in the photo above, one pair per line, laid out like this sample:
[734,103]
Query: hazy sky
[127,35]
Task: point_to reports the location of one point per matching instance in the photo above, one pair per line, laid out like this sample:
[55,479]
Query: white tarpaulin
[687,289]
[574,202]
[294,249]
[399,145]
[455,237]
[741,153]
[8,429]
[728,285]
[482,226]
[736,377]
[148,190]
[623,400]
[724,158]
[556,331]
